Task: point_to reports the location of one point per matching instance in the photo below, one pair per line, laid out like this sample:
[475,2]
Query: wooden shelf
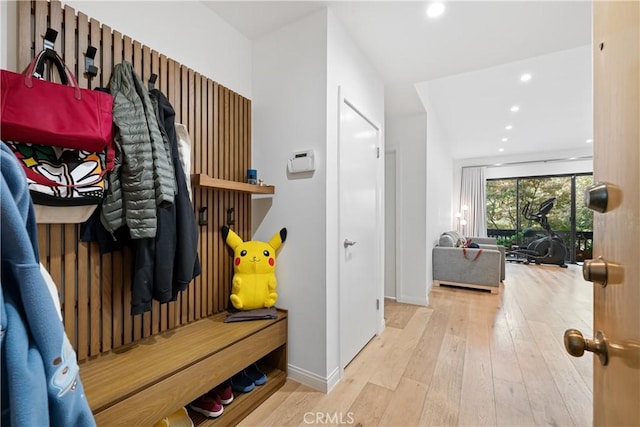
[202,180]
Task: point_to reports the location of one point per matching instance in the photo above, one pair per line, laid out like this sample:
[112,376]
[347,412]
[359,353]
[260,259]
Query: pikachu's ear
[278,239]
[231,238]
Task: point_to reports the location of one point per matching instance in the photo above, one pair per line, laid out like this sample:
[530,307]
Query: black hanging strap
[152,81]
[50,55]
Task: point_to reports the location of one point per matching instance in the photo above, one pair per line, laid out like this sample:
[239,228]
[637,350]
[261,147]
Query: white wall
[408,135]
[8,35]
[425,172]
[439,197]
[349,70]
[296,74]
[289,114]
[186,31]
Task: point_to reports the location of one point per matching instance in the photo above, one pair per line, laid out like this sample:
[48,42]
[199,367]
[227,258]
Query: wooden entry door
[616,47]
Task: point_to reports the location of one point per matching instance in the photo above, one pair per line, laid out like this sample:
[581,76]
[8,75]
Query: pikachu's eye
[266,253]
[243,253]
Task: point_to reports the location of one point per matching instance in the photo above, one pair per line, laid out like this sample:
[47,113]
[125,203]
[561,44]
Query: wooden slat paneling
[95,288]
[201,142]
[187,118]
[26,34]
[212,217]
[118,287]
[109,320]
[163,85]
[83,301]
[41,12]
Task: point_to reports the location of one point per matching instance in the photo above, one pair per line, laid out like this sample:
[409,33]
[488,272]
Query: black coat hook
[89,58]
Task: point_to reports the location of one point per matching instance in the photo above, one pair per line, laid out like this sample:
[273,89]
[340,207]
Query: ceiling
[466,65]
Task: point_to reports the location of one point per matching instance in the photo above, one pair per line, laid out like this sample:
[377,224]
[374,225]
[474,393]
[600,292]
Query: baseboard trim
[313,380]
[413,300]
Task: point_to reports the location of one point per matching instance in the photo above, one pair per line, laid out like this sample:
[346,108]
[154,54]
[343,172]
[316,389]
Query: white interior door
[390,203]
[359,261]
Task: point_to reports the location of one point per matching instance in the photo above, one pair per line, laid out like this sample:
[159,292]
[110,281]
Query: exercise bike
[549,249]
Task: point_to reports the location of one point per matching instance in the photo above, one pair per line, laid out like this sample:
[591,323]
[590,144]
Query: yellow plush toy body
[254,266]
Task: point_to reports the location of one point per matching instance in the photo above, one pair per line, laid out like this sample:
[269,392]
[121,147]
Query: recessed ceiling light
[572,158]
[505,139]
[525,77]
[508,127]
[498,164]
[589,141]
[501,149]
[435,9]
[515,108]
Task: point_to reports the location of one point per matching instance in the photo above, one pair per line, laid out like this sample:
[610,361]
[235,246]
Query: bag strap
[39,179]
[464,254]
[47,54]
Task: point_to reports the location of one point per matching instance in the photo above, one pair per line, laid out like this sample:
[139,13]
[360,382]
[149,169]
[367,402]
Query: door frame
[398,211]
[343,98]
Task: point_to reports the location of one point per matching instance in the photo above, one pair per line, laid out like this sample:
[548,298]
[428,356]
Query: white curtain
[472,195]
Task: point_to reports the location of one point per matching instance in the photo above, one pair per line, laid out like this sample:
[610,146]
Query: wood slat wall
[95,290]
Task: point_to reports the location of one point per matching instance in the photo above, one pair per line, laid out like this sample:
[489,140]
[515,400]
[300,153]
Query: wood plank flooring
[468,359]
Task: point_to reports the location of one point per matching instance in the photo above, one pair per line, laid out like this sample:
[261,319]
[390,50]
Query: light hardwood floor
[468,359]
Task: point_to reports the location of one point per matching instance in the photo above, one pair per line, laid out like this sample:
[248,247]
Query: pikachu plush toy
[254,266]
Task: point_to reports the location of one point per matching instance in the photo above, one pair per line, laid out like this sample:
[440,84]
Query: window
[569,218]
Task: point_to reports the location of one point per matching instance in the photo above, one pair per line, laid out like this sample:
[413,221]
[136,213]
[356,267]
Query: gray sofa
[492,243]
[481,268]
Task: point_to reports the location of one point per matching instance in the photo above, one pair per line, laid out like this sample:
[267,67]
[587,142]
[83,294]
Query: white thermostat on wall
[302,161]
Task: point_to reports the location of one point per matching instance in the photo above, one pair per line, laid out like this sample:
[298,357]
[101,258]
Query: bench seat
[142,383]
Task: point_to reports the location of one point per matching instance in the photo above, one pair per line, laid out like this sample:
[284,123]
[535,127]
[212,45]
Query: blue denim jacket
[39,372]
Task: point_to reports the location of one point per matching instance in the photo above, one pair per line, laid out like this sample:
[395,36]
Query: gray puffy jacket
[145,178]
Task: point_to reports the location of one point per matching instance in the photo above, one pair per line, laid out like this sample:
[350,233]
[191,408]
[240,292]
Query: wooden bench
[141,384]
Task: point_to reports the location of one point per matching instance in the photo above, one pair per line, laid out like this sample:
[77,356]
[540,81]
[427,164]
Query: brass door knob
[596,271]
[576,345]
[602,272]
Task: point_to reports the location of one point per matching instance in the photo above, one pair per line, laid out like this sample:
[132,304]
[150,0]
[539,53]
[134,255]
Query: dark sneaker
[208,405]
[255,374]
[240,382]
[224,392]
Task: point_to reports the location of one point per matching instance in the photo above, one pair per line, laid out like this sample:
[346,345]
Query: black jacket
[165,265]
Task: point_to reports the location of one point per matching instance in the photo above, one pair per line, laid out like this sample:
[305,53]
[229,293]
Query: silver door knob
[602,197]
[348,243]
[576,344]
[596,197]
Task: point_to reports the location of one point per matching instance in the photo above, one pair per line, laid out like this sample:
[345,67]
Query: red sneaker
[207,405]
[223,392]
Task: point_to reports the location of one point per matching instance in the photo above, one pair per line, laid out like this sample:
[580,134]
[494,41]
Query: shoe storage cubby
[244,403]
[153,378]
